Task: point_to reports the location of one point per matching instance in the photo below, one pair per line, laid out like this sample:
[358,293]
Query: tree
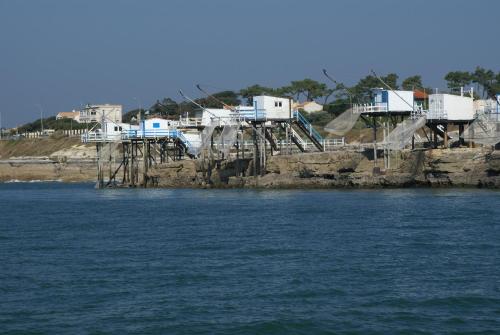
[457,79]
[484,79]
[311,89]
[328,93]
[495,87]
[165,107]
[492,86]
[412,83]
[227,97]
[187,107]
[255,90]
[52,123]
[338,106]
[362,91]
[286,91]
[392,80]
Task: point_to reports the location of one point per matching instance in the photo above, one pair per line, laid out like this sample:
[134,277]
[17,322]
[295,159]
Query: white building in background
[96,113]
[308,106]
[74,115]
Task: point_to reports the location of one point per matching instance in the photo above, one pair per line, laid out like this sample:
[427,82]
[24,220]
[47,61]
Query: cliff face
[344,169]
[64,159]
[462,167]
[46,169]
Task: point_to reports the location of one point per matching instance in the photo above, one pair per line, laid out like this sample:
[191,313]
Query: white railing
[299,139]
[190,122]
[329,144]
[437,114]
[334,142]
[379,107]
[149,133]
[37,134]
[93,136]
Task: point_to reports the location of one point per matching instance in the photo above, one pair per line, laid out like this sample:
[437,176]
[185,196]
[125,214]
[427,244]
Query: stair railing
[313,133]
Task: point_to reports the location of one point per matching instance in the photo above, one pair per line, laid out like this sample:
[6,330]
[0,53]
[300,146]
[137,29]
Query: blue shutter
[385,96]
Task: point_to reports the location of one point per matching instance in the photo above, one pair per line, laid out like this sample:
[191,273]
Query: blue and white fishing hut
[387,101]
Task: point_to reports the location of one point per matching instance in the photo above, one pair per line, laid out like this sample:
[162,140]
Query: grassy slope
[35,147]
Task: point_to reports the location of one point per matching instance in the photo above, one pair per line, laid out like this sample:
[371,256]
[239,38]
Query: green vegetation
[486,82]
[412,83]
[52,123]
[255,90]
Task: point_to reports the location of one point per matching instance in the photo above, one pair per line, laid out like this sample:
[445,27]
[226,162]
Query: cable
[386,85]
[216,99]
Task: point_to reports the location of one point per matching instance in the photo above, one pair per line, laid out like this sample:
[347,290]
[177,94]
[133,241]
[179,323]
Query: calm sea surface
[75,260]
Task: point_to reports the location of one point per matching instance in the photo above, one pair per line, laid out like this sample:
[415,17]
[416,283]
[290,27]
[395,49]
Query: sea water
[76,260]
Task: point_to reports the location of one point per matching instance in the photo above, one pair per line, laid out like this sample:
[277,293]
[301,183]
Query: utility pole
[139,101]
[41,118]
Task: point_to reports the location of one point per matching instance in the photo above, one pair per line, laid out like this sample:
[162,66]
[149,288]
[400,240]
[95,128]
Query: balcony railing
[379,107]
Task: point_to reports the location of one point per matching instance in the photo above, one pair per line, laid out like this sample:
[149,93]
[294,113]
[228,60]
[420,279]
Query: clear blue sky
[62,54]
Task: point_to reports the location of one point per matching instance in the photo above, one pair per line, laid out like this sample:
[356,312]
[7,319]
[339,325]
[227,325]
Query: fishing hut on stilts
[403,114]
[241,136]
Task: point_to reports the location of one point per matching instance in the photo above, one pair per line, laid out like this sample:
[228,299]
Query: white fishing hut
[272,108]
[157,123]
[450,108]
[387,101]
[110,132]
[264,108]
[155,128]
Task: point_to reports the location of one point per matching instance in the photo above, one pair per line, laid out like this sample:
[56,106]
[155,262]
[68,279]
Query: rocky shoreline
[457,167]
[45,169]
[48,159]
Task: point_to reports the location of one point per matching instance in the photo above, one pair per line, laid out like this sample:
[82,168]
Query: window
[116,128]
[92,113]
[276,104]
[280,104]
[120,128]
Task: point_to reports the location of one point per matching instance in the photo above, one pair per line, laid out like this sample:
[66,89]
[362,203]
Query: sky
[57,55]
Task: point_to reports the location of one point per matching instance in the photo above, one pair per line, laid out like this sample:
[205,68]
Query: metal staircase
[309,130]
[188,147]
[271,139]
[294,136]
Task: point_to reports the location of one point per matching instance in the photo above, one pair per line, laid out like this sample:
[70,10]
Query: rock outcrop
[460,167]
[63,159]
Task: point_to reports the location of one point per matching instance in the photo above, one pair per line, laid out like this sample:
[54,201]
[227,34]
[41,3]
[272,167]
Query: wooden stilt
[461,134]
[374,142]
[445,135]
